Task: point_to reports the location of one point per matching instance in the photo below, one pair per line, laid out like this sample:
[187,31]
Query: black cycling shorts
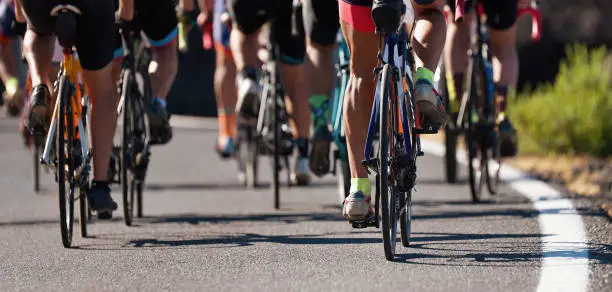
[321,21]
[501,14]
[288,30]
[157,18]
[95,28]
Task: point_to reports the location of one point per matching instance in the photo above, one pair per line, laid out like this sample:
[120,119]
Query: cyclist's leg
[38,50]
[501,20]
[358,30]
[247,18]
[428,42]
[224,82]
[95,55]
[455,55]
[159,22]
[321,24]
[289,33]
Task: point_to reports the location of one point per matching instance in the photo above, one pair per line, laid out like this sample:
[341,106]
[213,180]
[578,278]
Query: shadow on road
[443,249]
[196,219]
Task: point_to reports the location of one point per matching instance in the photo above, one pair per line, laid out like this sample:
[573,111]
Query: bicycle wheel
[450,134]
[344,180]
[139,199]
[65,169]
[248,155]
[127,145]
[83,212]
[37,153]
[406,218]
[476,157]
[276,134]
[385,157]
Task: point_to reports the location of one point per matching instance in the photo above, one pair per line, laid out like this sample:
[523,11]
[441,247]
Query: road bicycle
[479,114]
[267,131]
[67,147]
[135,91]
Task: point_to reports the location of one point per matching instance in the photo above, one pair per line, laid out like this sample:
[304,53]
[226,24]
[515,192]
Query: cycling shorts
[157,19]
[321,21]
[95,28]
[221,33]
[501,14]
[287,28]
[358,13]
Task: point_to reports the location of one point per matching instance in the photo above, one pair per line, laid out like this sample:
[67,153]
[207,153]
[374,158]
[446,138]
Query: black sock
[99,184]
[302,146]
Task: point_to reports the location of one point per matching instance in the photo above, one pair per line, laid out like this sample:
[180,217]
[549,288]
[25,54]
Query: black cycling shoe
[387,15]
[37,118]
[319,153]
[100,199]
[159,120]
[508,138]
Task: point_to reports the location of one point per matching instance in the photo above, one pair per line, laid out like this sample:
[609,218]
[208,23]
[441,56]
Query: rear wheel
[406,218]
[385,156]
[83,212]
[477,155]
[65,161]
[127,146]
[344,180]
[36,160]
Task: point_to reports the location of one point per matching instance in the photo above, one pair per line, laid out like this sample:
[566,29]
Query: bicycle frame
[397,51]
[80,104]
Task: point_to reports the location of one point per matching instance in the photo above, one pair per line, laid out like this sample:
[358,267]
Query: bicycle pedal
[360,224]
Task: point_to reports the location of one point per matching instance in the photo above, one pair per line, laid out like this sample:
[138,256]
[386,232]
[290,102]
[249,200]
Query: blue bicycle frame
[338,99]
[396,52]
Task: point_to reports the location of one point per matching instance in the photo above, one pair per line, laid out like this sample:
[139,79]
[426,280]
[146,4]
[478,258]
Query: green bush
[572,116]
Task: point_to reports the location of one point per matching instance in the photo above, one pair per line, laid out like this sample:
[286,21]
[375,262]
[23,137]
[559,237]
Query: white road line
[565,263]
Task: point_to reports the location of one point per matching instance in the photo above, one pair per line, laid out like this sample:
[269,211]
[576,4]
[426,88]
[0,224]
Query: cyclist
[13,89]
[248,16]
[95,55]
[321,24]
[157,18]
[215,11]
[501,18]
[359,31]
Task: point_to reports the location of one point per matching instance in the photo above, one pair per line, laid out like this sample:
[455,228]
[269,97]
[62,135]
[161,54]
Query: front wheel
[450,155]
[128,150]
[65,161]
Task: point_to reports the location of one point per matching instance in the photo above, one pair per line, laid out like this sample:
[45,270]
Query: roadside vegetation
[572,116]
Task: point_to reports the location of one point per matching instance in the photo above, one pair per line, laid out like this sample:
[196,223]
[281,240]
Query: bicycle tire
[248,155]
[64,167]
[450,135]
[83,212]
[406,219]
[36,154]
[344,180]
[474,137]
[139,188]
[127,146]
[389,220]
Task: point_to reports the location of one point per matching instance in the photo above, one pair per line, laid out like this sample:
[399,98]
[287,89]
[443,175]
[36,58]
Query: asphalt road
[204,232]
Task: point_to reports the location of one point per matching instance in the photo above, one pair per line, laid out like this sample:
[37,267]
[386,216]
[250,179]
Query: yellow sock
[361,185]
